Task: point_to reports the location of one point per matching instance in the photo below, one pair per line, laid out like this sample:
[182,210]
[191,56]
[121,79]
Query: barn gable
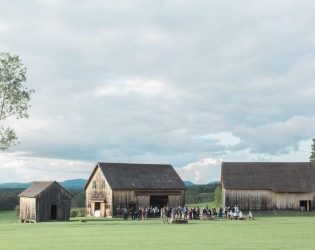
[126,176]
[39,186]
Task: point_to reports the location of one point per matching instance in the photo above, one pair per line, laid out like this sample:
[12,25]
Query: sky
[189,83]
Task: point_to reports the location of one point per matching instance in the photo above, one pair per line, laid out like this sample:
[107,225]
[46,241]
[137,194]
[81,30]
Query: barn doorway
[305,205]
[97,209]
[53,212]
[158,201]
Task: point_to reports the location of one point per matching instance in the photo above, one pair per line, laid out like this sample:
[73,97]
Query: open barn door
[305,205]
[158,200]
[97,211]
[53,212]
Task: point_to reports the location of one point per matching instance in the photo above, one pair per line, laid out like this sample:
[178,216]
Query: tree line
[194,194]
[201,193]
[9,198]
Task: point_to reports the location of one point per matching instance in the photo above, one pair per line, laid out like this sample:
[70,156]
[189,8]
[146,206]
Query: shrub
[73,213]
[17,210]
[77,212]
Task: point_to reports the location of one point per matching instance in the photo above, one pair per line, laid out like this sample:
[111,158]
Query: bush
[77,212]
[17,210]
[73,212]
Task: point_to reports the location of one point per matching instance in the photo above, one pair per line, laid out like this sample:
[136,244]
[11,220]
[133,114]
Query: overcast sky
[187,83]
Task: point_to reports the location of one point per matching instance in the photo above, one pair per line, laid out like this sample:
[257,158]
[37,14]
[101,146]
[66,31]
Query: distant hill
[76,184]
[189,183]
[73,184]
[16,185]
[214,182]
[68,184]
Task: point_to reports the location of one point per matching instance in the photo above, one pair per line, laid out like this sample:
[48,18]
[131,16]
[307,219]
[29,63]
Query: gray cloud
[140,82]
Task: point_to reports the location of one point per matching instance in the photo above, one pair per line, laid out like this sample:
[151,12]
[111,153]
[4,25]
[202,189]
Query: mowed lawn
[284,230]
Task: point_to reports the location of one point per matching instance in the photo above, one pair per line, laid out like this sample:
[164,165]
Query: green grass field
[283,230]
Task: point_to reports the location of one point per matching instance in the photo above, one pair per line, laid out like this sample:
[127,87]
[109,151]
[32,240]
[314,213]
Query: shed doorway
[53,212]
[305,205]
[158,201]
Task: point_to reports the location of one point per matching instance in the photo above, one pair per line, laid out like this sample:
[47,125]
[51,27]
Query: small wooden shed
[45,201]
[115,186]
[268,185]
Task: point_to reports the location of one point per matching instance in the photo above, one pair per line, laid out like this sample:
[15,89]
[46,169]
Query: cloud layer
[190,83]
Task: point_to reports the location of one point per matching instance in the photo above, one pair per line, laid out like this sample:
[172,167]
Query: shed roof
[126,176]
[277,176]
[37,188]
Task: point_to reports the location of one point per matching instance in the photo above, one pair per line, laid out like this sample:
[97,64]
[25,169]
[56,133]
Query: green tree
[312,157]
[218,196]
[14,96]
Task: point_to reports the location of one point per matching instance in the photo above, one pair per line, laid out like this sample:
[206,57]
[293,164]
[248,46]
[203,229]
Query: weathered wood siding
[143,201]
[99,191]
[38,209]
[176,200]
[27,209]
[125,199]
[128,198]
[53,195]
[261,200]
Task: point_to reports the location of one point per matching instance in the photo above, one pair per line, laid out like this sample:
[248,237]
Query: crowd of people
[184,212]
[143,213]
[236,214]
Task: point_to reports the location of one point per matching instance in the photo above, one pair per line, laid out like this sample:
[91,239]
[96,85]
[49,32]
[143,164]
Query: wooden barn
[45,201]
[115,186]
[268,185]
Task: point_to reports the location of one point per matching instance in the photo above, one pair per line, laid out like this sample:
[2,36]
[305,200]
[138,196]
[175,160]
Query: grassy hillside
[283,230]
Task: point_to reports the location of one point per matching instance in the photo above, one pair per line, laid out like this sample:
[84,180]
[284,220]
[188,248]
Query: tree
[218,196]
[312,157]
[14,96]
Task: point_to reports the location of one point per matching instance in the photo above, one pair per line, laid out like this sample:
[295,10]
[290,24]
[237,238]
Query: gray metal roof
[36,189]
[126,176]
[277,176]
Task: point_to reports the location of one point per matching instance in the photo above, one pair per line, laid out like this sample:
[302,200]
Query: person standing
[226,211]
[132,213]
[147,210]
[143,213]
[125,213]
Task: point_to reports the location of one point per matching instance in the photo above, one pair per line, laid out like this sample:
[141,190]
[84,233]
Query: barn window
[103,184]
[94,184]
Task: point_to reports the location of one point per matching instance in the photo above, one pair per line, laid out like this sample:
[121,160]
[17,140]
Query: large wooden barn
[115,186]
[45,201]
[268,185]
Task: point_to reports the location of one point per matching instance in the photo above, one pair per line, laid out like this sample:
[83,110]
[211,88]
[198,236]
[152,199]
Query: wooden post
[307,206]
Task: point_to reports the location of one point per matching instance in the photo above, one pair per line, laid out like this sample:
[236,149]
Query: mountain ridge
[76,184]
[67,184]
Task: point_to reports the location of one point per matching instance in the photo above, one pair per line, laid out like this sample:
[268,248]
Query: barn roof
[126,176]
[277,176]
[37,188]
